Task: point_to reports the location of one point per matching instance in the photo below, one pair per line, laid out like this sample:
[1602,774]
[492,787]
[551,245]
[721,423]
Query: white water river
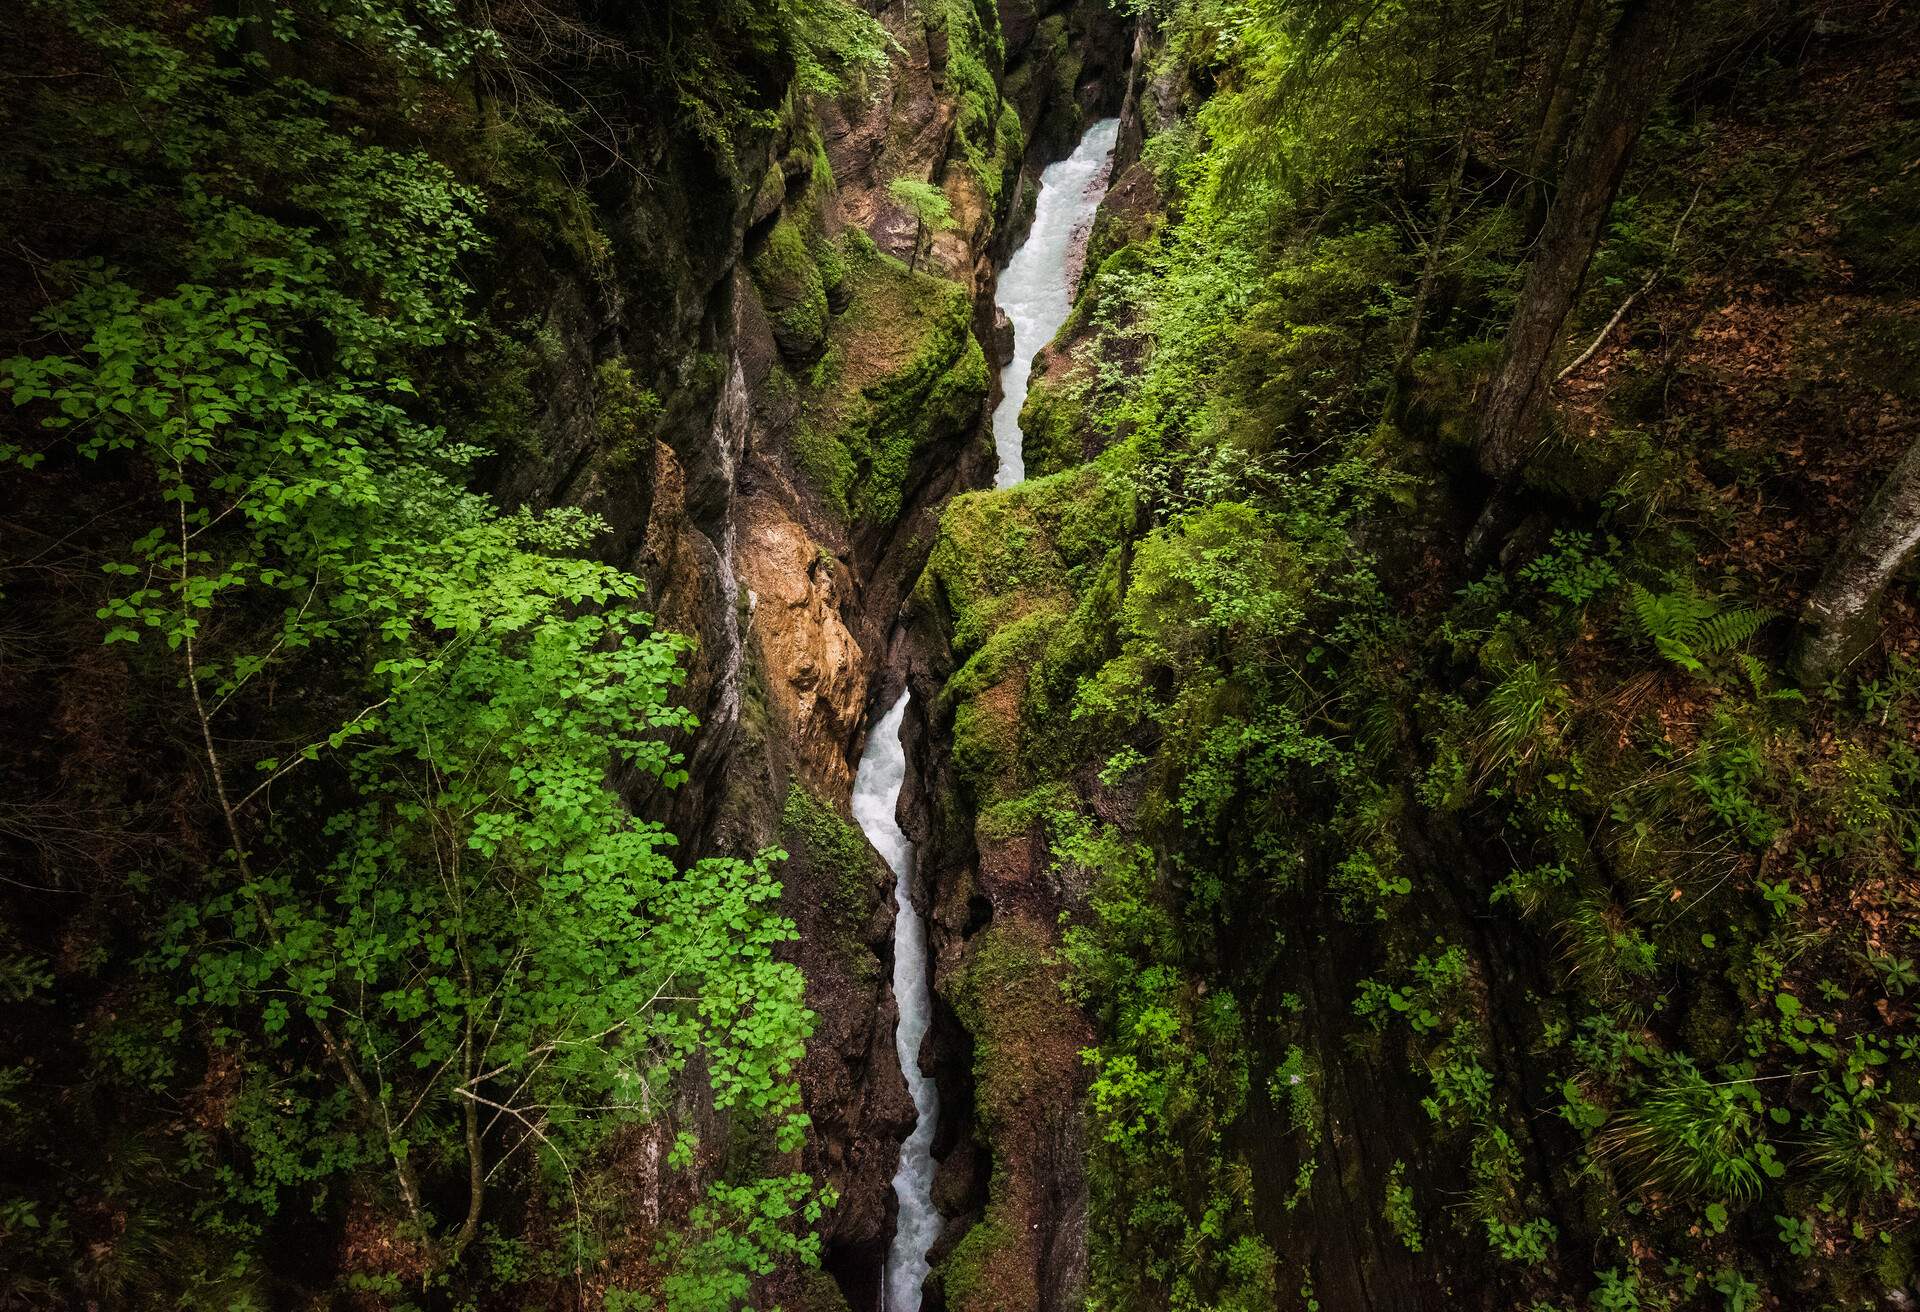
[876,797]
[1035,292]
[1034,288]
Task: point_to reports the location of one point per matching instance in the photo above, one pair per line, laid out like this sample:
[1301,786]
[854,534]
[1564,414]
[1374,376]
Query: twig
[1618,315]
[1629,303]
[566,1169]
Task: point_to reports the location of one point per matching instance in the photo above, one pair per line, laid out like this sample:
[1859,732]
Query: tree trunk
[1564,75]
[1843,615]
[1442,229]
[1637,54]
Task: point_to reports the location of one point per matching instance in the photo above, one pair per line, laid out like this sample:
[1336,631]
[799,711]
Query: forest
[968,655]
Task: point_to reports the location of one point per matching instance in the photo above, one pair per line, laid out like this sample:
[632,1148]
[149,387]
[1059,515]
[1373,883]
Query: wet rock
[793,291]
[816,671]
[767,200]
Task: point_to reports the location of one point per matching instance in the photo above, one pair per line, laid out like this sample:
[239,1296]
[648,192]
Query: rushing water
[1034,289]
[1035,293]
[876,796]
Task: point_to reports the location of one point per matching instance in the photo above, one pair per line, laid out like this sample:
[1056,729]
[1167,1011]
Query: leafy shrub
[1694,1137]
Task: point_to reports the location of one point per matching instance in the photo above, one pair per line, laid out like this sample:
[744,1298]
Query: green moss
[1008,996]
[849,874]
[1009,999]
[984,743]
[1012,145]
[833,270]
[995,560]
[986,134]
[902,372]
[791,285]
[819,1292]
[1013,816]
[1027,577]
[1015,645]
[826,462]
[547,208]
[1053,423]
[623,413]
[903,418]
[822,166]
[966,1275]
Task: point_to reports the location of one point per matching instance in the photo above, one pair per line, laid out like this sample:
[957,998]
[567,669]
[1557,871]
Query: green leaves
[737,1233]
[1686,627]
[438,901]
[1693,1136]
[926,202]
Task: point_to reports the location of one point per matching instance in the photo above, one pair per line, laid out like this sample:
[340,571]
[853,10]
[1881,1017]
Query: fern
[1729,629]
[1686,626]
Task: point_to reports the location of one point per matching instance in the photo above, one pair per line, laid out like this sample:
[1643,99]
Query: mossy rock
[1025,581]
[1053,425]
[1005,554]
[841,868]
[1008,996]
[626,415]
[818,1292]
[984,743]
[833,277]
[1114,249]
[794,291]
[1026,1053]
[768,198]
[902,371]
[967,52]
[992,562]
[968,1275]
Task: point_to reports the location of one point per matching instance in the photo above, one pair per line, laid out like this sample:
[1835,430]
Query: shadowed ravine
[1035,289]
[876,795]
[960,655]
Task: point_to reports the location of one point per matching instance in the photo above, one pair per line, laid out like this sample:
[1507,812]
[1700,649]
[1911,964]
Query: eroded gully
[1036,292]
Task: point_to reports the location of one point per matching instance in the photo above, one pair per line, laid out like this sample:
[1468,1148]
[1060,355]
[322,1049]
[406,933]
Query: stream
[1036,291]
[876,798]
[1036,287]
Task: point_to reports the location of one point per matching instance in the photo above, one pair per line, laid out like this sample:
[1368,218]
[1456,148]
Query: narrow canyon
[960,655]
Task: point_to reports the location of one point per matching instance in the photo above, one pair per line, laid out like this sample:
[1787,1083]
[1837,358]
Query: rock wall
[769,390]
[1345,1121]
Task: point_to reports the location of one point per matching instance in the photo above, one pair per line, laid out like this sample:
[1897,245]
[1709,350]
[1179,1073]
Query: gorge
[1035,290]
[876,795]
[960,655]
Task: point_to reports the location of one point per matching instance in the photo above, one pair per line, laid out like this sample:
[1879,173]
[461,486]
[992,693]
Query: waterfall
[876,796]
[1035,289]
